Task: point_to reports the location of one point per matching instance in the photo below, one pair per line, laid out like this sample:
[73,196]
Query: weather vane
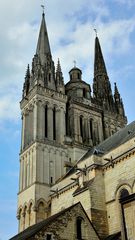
[43,7]
[74,63]
[95,31]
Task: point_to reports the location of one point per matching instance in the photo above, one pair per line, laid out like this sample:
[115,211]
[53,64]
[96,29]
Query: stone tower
[43,152]
[59,124]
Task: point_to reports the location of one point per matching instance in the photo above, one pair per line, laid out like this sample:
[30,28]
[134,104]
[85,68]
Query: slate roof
[117,139]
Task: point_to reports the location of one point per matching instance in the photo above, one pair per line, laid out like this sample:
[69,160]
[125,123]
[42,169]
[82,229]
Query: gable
[61,226]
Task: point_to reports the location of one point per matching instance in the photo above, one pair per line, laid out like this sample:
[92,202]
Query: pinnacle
[27,72]
[116,89]
[58,66]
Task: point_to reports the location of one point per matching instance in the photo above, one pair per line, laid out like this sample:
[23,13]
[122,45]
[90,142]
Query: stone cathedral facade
[66,129]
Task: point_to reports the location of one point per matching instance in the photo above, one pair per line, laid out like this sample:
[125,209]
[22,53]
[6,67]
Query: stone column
[78,126]
[62,125]
[58,131]
[24,174]
[22,133]
[31,125]
[20,179]
[26,128]
[76,135]
[50,123]
[39,121]
[34,162]
[35,111]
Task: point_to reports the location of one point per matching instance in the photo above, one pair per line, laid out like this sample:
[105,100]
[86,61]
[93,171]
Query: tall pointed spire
[99,64]
[43,46]
[43,70]
[101,86]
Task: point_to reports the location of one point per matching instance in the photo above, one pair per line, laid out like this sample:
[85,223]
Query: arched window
[79,228]
[125,222]
[46,122]
[41,212]
[78,76]
[81,126]
[54,124]
[124,193]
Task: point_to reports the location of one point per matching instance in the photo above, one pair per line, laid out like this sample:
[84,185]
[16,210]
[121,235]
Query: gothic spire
[99,64]
[101,86]
[43,46]
[43,70]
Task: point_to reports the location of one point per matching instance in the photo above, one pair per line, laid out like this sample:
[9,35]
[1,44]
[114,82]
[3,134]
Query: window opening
[81,126]
[79,230]
[48,237]
[51,180]
[49,77]
[84,92]
[91,128]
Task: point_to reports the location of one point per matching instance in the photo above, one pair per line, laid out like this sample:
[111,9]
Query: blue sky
[70,26]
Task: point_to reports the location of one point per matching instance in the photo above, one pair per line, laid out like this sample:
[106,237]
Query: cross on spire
[95,31]
[43,7]
[74,63]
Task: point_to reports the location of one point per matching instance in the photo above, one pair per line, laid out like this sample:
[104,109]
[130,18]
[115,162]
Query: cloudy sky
[70,26]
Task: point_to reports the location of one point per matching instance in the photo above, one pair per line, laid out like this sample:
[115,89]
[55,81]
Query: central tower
[59,124]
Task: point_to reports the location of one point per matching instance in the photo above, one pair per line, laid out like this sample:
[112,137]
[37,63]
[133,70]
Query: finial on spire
[74,63]
[95,30]
[43,7]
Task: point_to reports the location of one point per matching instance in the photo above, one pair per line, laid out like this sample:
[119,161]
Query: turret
[76,87]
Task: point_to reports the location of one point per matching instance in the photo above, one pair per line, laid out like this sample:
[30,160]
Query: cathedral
[77,159]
